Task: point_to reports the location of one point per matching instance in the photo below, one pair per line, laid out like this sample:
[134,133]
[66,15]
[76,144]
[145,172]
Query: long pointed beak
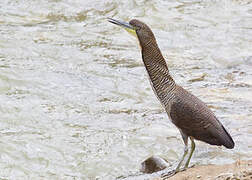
[121,23]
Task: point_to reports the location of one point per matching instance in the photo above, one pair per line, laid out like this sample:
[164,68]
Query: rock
[153,164]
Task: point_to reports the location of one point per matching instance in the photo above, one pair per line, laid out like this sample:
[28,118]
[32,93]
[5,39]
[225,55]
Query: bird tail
[227,140]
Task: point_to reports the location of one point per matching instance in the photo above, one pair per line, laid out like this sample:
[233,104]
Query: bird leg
[185,138]
[191,152]
[182,159]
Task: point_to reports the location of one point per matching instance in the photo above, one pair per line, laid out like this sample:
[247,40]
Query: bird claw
[168,175]
[187,167]
[184,168]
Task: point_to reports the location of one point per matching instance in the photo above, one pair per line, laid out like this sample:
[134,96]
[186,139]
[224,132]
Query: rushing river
[75,98]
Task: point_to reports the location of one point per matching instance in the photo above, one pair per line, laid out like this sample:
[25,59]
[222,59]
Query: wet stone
[153,164]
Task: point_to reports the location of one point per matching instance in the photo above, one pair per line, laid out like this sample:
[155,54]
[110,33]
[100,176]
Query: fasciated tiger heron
[187,112]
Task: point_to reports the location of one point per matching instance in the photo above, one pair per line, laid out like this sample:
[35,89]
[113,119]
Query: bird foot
[173,172]
[186,167]
[168,175]
[180,170]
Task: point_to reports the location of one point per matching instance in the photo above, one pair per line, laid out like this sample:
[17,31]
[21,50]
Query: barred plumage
[188,113]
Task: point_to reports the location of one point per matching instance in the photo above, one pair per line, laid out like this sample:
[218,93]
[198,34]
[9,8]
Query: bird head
[143,32]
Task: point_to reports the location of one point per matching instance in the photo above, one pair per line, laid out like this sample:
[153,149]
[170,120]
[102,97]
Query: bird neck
[154,61]
[152,55]
[161,81]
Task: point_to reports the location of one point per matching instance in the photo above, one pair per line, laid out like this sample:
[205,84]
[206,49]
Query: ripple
[76,101]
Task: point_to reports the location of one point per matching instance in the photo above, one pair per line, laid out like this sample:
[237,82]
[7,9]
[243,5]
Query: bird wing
[195,119]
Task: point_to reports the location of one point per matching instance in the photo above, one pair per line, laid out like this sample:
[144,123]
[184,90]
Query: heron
[192,117]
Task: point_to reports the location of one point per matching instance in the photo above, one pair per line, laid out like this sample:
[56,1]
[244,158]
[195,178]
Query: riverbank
[241,170]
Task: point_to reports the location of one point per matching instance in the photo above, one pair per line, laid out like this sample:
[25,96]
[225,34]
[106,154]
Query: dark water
[76,101]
